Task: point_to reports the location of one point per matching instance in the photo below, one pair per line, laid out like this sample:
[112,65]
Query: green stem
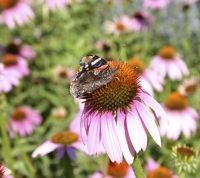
[138,169]
[68,167]
[26,159]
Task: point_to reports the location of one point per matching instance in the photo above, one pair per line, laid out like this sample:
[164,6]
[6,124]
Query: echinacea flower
[15,12]
[24,120]
[4,172]
[189,86]
[185,159]
[8,79]
[140,21]
[64,72]
[167,62]
[16,47]
[181,118]
[57,4]
[154,170]
[118,114]
[155,4]
[15,63]
[122,170]
[120,25]
[148,79]
[66,141]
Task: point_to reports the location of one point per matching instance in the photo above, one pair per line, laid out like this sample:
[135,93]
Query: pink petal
[122,137]
[94,135]
[45,148]
[148,121]
[109,138]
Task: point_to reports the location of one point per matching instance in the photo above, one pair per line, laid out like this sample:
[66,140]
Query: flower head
[16,47]
[140,21]
[62,72]
[185,159]
[189,86]
[148,79]
[118,26]
[154,170]
[64,142]
[24,120]
[59,113]
[181,117]
[115,170]
[156,4]
[169,64]
[116,114]
[15,12]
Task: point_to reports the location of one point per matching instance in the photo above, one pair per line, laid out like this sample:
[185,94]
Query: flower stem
[68,167]
[138,169]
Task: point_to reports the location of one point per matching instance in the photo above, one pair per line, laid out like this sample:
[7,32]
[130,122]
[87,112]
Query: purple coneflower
[5,172]
[140,21]
[15,63]
[64,142]
[167,62]
[189,86]
[15,12]
[154,170]
[181,118]
[118,115]
[57,4]
[148,79]
[156,4]
[8,79]
[118,26]
[24,120]
[16,47]
[122,170]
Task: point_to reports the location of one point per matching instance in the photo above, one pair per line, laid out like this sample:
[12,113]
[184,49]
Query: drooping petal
[149,121]
[45,148]
[122,137]
[109,138]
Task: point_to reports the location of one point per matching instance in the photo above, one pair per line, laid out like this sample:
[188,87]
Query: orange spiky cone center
[117,170]
[176,101]
[64,138]
[6,4]
[118,93]
[19,114]
[167,52]
[160,172]
[137,64]
[190,89]
[9,59]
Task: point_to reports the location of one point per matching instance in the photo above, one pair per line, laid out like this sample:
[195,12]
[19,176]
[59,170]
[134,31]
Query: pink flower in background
[64,72]
[5,172]
[154,170]
[140,21]
[63,142]
[168,63]
[24,120]
[16,47]
[114,170]
[118,116]
[120,25]
[181,118]
[155,4]
[57,4]
[189,86]
[148,79]
[16,12]
[8,79]
[15,63]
